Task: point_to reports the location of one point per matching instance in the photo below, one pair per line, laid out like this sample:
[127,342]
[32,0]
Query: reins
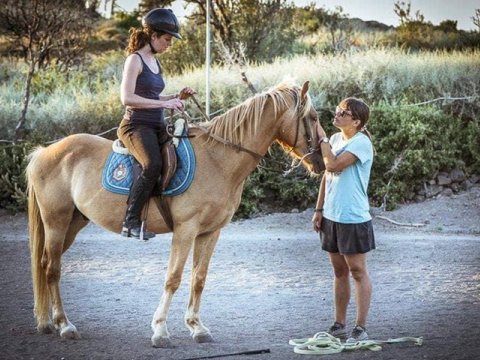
[228,142]
[238,147]
[218,138]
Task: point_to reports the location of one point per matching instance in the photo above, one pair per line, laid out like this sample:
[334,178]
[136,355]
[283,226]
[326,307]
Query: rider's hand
[175,104]
[186,92]
[317,220]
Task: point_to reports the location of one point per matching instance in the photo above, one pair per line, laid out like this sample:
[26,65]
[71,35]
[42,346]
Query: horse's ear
[303,94]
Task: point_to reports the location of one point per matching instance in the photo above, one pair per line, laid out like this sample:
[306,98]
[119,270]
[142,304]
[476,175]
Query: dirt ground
[269,282]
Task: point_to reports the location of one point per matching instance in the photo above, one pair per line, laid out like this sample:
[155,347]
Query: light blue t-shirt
[346,199]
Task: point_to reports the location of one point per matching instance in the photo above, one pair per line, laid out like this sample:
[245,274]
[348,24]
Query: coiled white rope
[322,343]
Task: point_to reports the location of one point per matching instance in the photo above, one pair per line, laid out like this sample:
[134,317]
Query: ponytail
[366,132]
[138,39]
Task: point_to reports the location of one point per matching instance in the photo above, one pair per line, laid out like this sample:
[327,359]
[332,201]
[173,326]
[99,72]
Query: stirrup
[138,232]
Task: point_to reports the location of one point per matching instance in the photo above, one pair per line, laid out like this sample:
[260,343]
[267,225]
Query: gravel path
[269,282]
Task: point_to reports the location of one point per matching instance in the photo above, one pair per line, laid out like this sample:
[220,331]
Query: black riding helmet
[162,20]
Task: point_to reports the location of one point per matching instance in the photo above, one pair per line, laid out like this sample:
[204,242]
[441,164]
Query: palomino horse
[65,192]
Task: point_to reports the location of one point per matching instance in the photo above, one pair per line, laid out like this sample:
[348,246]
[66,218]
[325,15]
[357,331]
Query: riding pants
[144,142]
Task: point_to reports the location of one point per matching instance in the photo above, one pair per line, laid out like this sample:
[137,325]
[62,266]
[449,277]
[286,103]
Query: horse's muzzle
[316,161]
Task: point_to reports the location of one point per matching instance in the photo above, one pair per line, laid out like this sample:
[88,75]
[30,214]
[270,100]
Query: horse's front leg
[202,253]
[181,244]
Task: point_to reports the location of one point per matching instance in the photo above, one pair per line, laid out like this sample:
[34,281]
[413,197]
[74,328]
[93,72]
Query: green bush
[412,143]
[430,138]
[13,187]
[270,188]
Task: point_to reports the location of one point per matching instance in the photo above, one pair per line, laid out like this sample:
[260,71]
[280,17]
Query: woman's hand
[186,92]
[175,104]
[317,220]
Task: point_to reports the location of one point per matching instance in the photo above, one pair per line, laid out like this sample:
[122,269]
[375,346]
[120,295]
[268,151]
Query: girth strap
[164,209]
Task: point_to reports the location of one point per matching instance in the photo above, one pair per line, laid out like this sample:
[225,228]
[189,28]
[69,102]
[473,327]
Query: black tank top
[149,85]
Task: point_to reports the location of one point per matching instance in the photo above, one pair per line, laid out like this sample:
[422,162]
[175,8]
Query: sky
[380,10]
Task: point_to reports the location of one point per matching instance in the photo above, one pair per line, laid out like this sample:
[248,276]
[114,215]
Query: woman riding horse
[143,128]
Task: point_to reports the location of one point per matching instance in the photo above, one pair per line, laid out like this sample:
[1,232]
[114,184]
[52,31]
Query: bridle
[311,147]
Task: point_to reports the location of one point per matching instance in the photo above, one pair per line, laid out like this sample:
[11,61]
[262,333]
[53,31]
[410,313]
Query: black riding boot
[139,195]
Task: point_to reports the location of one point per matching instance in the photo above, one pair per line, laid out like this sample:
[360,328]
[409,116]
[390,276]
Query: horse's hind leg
[202,253]
[55,236]
[78,223]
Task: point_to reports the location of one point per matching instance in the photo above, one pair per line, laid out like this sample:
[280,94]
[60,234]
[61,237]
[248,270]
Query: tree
[413,31]
[476,19]
[257,29]
[145,6]
[45,33]
[448,26]
[339,29]
[92,5]
[403,9]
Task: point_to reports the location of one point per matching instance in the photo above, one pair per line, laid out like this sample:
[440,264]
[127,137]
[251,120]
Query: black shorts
[347,239]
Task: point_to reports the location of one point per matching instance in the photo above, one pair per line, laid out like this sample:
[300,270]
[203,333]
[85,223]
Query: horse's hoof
[70,332]
[161,342]
[203,338]
[46,328]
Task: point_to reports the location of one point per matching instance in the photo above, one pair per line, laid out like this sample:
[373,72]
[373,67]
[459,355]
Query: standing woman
[342,213]
[143,128]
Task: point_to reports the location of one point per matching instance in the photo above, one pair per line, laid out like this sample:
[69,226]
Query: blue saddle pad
[117,174]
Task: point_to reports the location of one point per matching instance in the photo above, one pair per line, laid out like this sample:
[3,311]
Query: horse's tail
[37,246]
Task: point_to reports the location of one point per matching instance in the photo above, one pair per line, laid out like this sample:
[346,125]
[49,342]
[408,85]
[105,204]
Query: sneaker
[338,330]
[359,333]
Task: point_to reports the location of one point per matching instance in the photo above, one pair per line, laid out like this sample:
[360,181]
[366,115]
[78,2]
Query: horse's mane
[243,120]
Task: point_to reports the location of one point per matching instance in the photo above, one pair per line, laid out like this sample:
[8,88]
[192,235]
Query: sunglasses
[341,112]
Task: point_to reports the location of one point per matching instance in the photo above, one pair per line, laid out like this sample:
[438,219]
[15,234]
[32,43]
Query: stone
[455,187]
[457,175]
[447,192]
[433,190]
[466,185]
[474,179]
[444,179]
[432,182]
[419,198]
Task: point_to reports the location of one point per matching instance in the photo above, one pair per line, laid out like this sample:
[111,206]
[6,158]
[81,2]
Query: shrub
[13,187]
[87,100]
[269,187]
[412,144]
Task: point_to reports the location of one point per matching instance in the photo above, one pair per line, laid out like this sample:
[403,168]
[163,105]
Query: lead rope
[322,343]
[297,163]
